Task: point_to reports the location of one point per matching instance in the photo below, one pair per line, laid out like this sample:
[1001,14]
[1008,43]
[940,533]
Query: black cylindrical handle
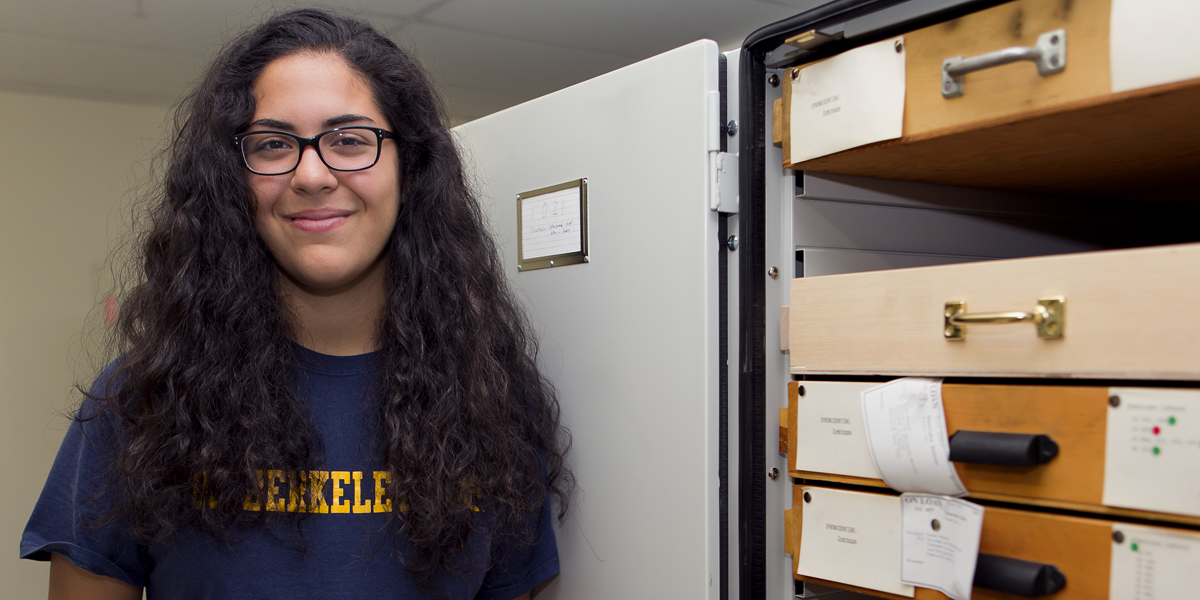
[1016,576]
[1008,449]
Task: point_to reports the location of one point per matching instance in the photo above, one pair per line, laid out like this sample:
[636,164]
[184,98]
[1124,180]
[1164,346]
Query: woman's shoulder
[103,393]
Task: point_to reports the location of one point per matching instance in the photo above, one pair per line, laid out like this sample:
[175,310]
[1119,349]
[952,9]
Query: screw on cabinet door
[773,473]
[773,272]
[773,80]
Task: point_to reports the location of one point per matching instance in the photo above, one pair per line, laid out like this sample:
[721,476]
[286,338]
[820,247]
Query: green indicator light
[1133,547]
[1170,420]
[1156,451]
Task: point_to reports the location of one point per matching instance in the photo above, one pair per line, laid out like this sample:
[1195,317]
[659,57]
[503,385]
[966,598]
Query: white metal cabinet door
[629,338]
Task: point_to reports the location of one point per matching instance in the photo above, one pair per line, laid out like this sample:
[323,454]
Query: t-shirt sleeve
[523,562]
[67,517]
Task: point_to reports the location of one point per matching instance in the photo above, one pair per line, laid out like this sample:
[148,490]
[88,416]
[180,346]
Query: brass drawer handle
[1048,316]
[1050,54]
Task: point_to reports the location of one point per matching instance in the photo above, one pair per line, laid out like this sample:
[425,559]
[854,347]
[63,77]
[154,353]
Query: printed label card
[851,99]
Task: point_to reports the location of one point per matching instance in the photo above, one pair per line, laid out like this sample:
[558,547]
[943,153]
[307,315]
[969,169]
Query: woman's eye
[350,141]
[277,144]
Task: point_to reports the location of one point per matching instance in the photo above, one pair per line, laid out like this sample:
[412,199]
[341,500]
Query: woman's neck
[341,322]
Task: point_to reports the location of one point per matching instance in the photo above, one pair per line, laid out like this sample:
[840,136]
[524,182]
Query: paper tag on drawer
[905,423]
[829,430]
[1149,563]
[1153,43]
[852,538]
[854,98]
[1152,450]
[939,543]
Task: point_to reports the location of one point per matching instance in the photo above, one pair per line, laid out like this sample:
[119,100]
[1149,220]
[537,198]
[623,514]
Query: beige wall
[67,172]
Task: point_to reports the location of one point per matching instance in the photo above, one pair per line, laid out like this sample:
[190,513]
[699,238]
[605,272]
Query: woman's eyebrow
[344,119]
[272,124]
[329,123]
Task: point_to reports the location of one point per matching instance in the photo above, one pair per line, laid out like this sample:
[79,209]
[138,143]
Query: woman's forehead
[307,89]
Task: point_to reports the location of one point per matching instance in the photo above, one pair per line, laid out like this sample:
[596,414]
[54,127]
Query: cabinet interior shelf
[1142,145]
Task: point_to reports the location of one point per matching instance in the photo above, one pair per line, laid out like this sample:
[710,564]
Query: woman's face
[327,229]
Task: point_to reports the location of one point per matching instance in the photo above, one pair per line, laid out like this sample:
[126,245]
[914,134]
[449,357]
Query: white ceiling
[485,55]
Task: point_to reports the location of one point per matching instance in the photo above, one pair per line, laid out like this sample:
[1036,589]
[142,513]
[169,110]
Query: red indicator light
[1156,430]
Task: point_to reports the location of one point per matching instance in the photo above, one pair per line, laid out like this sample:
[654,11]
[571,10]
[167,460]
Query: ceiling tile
[68,68]
[799,5]
[635,28]
[463,62]
[485,55]
[190,26]
[468,104]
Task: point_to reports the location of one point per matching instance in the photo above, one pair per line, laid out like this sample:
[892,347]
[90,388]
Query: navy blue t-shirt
[340,549]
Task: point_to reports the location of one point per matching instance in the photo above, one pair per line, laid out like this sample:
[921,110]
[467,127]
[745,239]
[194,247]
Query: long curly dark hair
[205,389]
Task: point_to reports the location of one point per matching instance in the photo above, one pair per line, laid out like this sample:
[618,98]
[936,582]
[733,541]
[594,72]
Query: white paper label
[906,433]
[829,430]
[854,98]
[852,538]
[939,544]
[550,224]
[1150,563]
[1152,450]
[1152,43]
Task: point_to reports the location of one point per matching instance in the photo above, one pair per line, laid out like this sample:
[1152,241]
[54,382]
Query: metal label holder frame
[556,260]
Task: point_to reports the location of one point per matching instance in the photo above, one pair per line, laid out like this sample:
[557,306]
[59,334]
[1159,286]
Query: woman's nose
[312,174]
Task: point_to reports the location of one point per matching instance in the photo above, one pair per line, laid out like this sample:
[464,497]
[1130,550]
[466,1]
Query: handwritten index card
[550,224]
[553,226]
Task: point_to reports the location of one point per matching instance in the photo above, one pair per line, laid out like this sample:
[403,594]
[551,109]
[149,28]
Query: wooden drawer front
[1013,88]
[1074,417]
[1080,547]
[1013,129]
[825,441]
[1001,92]
[1130,314]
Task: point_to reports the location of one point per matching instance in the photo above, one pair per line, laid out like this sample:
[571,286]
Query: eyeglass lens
[271,153]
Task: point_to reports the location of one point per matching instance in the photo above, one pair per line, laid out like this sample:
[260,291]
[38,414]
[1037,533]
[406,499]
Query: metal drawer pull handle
[1050,54]
[1048,316]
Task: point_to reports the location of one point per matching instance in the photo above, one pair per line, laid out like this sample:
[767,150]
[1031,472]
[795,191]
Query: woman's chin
[326,280]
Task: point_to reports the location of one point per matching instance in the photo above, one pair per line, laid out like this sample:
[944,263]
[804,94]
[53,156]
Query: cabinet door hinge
[722,166]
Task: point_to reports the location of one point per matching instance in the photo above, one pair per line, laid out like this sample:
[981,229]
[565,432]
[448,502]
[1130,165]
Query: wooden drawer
[1080,547]
[1009,89]
[825,442]
[1129,314]
[1014,129]
[1005,90]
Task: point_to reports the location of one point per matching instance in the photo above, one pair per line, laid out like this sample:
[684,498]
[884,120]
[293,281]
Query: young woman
[325,387]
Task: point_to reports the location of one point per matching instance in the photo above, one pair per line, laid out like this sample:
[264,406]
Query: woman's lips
[317,225]
[318,219]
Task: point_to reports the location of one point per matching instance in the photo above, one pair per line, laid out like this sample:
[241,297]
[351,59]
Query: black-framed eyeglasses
[342,149]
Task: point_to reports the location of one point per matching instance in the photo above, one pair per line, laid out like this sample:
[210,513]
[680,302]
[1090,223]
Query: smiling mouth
[318,220]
